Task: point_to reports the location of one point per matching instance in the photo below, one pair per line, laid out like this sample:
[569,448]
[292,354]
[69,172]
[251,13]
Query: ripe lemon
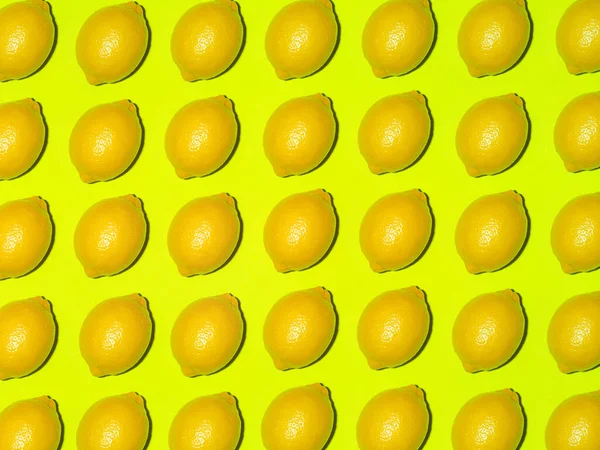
[489,421]
[207,39]
[575,236]
[211,423]
[110,236]
[493,36]
[492,134]
[301,38]
[299,418]
[398,36]
[25,236]
[574,333]
[396,230]
[207,335]
[578,37]
[116,423]
[30,424]
[575,424]
[115,335]
[393,327]
[204,234]
[112,43]
[300,230]
[299,328]
[27,34]
[394,419]
[300,134]
[201,136]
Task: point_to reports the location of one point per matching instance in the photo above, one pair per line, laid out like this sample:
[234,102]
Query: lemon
[578,37]
[575,424]
[207,39]
[115,335]
[204,234]
[393,327]
[301,38]
[110,236]
[25,236]
[396,230]
[112,43]
[493,36]
[201,136]
[300,134]
[398,36]
[396,419]
[116,423]
[489,421]
[30,424]
[299,418]
[299,328]
[492,134]
[207,335]
[211,422]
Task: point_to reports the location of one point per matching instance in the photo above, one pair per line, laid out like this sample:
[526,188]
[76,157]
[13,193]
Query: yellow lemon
[575,235]
[300,230]
[112,43]
[30,424]
[116,423]
[204,234]
[299,418]
[299,328]
[398,36]
[574,333]
[207,335]
[300,134]
[207,39]
[115,335]
[301,38]
[578,37]
[110,236]
[489,421]
[575,424]
[493,36]
[396,419]
[27,34]
[201,136]
[396,230]
[25,236]
[210,423]
[492,134]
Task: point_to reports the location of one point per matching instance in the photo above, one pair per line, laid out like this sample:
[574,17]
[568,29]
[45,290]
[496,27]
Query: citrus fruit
[396,230]
[207,335]
[578,37]
[575,424]
[393,327]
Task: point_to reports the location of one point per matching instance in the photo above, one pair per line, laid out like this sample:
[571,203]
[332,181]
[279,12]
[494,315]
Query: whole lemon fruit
[299,328]
[207,39]
[575,424]
[489,421]
[301,38]
[115,335]
[25,236]
[396,230]
[300,134]
[574,333]
[112,43]
[575,235]
[22,137]
[110,236]
[398,36]
[493,36]
[27,35]
[201,137]
[394,327]
[492,134]
[395,419]
[578,37]
[204,234]
[299,418]
[211,422]
[207,335]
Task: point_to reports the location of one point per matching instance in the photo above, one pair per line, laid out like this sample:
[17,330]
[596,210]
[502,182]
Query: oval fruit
[578,37]
[575,424]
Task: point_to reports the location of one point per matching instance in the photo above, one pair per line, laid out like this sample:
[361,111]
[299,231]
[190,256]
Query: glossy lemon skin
[575,424]
[30,424]
[578,37]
